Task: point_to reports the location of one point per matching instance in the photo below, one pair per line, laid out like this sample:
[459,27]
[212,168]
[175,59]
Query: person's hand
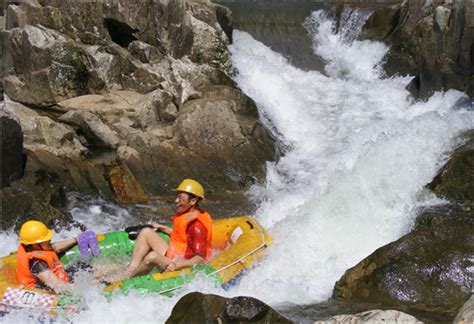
[172,266]
[161,228]
[157,226]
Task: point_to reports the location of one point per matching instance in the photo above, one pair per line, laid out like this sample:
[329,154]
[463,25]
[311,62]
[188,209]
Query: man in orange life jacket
[38,262]
[190,238]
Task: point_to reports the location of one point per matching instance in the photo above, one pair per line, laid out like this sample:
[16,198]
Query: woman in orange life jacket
[38,262]
[190,238]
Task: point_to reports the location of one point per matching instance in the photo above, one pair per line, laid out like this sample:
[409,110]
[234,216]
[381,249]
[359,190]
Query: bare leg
[150,260]
[142,269]
[147,240]
[149,250]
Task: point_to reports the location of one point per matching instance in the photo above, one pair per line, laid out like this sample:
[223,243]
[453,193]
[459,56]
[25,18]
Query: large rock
[426,270]
[455,181]
[161,165]
[11,148]
[221,127]
[428,39]
[200,308]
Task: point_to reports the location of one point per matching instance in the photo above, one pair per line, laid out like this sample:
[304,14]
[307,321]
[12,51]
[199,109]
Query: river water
[357,153]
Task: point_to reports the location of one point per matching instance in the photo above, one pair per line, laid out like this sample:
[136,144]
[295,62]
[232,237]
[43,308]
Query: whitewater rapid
[358,151]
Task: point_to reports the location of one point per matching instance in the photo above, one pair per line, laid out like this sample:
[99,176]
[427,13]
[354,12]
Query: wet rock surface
[202,308]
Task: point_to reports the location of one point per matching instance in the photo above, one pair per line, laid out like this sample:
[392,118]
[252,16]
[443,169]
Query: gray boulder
[145,52]
[223,130]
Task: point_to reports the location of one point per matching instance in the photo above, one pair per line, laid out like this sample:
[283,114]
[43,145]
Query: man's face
[46,246]
[183,202]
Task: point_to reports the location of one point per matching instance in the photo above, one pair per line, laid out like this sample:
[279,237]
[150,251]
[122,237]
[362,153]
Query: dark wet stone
[202,308]
[455,180]
[11,146]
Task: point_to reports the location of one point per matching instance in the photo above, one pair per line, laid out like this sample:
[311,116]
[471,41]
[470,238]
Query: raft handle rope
[264,244]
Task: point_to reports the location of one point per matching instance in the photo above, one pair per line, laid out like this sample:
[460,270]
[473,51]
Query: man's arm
[162,228]
[65,245]
[48,278]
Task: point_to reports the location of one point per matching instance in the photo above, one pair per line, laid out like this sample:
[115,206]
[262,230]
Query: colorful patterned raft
[242,241]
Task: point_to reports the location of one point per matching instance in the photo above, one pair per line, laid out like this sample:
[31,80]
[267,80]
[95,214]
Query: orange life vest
[178,238]
[23,272]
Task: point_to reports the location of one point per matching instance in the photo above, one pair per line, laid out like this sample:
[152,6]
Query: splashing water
[346,57]
[358,152]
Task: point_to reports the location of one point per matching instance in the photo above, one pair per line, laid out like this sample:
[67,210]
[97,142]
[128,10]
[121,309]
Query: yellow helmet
[191,186]
[33,232]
